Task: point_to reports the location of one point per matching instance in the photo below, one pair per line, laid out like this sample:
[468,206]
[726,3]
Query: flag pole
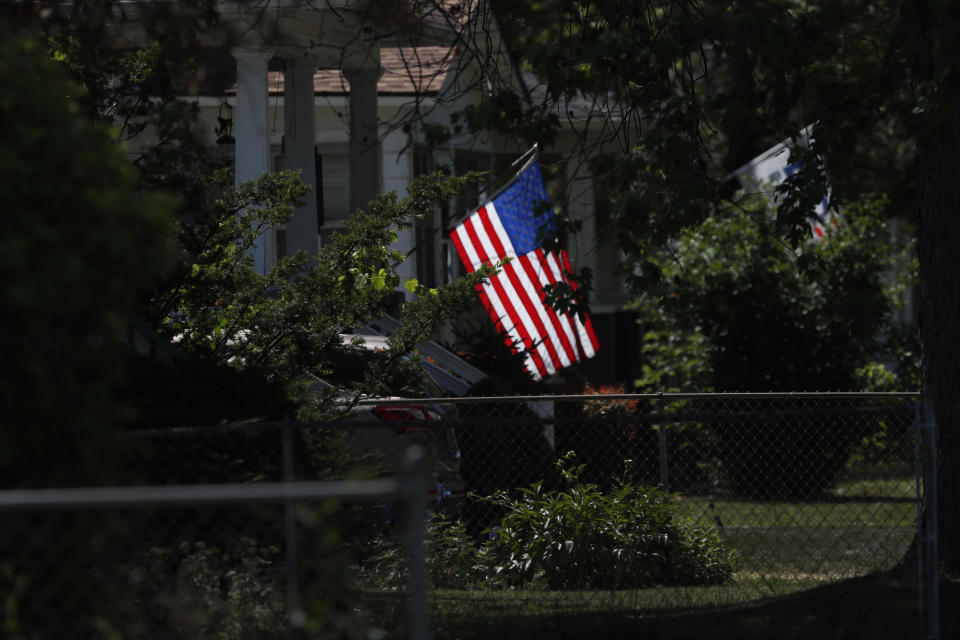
[532,150]
[526,158]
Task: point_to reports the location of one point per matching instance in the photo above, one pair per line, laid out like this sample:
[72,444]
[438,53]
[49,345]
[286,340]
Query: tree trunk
[938,165]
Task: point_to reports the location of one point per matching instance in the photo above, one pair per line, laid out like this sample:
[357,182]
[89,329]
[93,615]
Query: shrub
[576,538]
[740,310]
[454,561]
[453,557]
[203,591]
[582,538]
[785,449]
[77,242]
[891,441]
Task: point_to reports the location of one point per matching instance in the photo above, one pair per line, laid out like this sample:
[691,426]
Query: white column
[397,175]
[364,136]
[583,244]
[589,247]
[253,131]
[299,134]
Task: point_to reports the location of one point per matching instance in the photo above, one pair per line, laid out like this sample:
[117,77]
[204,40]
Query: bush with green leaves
[228,578]
[579,537]
[286,324]
[582,538]
[891,443]
[766,316]
[77,241]
[742,310]
[203,591]
[454,558]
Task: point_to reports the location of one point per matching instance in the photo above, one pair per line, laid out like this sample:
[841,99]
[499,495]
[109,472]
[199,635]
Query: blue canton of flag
[508,232]
[524,209]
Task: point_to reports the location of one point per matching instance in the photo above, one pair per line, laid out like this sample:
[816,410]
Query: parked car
[385,431]
[382,429]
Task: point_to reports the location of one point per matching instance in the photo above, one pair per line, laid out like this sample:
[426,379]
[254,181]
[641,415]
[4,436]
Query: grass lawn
[865,608]
[808,569]
[832,539]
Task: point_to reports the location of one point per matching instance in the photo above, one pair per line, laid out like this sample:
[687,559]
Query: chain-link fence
[223,543]
[802,489]
[580,505]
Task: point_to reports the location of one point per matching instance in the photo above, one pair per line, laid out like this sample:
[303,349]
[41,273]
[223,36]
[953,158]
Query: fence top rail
[269,425]
[204,494]
[812,395]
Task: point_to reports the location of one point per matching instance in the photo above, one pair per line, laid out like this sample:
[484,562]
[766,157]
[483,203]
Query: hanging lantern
[225,130]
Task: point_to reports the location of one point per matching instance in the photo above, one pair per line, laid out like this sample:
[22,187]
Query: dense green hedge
[575,538]
[582,538]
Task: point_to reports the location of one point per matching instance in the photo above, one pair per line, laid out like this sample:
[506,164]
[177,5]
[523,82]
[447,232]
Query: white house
[355,96]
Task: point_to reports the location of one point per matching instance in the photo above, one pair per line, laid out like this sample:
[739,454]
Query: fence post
[928,556]
[662,439]
[295,616]
[413,490]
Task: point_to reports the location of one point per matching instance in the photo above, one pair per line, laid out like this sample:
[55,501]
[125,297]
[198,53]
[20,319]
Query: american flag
[772,167]
[508,232]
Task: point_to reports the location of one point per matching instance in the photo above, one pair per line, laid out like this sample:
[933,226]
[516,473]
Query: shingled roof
[406,71]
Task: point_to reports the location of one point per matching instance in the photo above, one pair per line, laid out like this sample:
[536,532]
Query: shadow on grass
[872,607]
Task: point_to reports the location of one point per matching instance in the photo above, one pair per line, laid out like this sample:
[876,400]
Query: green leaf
[379,280]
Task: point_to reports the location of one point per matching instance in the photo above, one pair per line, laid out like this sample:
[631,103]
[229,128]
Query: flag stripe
[554,275]
[579,331]
[531,265]
[584,324]
[511,339]
[535,315]
[514,303]
[588,339]
[506,297]
[489,298]
[537,272]
[470,258]
[530,316]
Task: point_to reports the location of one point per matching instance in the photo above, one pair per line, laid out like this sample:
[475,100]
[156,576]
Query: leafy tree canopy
[282,327]
[745,311]
[669,97]
[79,239]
